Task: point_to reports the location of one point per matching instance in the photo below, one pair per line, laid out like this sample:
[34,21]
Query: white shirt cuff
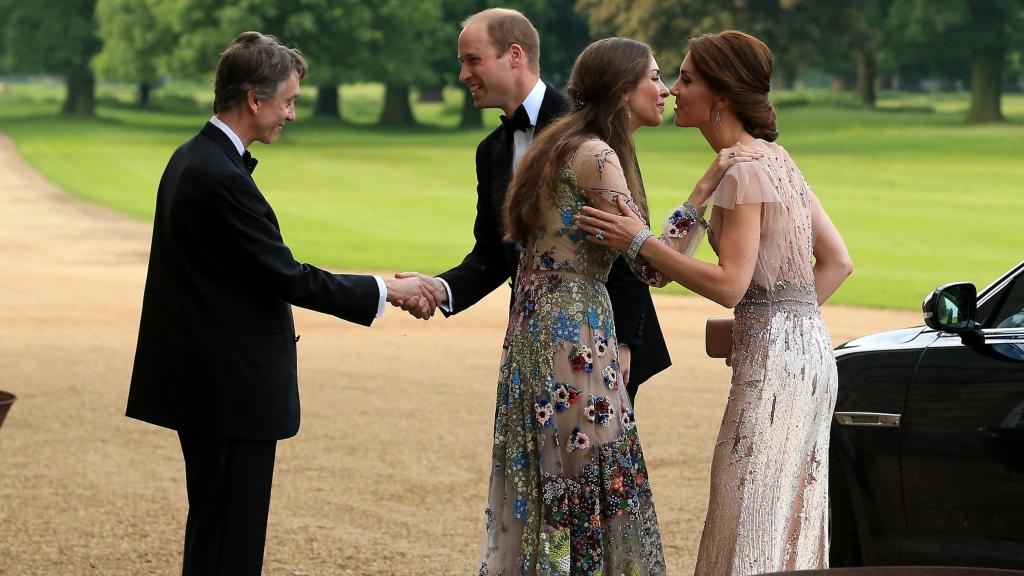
[446,307]
[383,289]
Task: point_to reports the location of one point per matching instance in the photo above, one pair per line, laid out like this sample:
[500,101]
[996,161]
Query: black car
[927,452]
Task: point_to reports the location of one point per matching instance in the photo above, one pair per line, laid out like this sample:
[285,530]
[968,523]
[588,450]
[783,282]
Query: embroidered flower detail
[564,396]
[592,318]
[601,346]
[681,223]
[546,261]
[567,217]
[649,274]
[611,377]
[542,410]
[577,440]
[521,460]
[581,359]
[626,416]
[519,506]
[564,328]
[600,410]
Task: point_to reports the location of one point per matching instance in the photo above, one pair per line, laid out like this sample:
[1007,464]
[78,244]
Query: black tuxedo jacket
[494,261]
[216,348]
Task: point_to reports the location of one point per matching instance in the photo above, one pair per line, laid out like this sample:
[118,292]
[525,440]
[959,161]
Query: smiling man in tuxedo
[499,50]
[216,358]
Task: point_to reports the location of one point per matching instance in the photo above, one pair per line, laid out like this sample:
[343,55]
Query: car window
[1009,310]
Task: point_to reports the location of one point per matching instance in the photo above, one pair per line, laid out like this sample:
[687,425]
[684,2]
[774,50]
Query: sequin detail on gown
[768,508]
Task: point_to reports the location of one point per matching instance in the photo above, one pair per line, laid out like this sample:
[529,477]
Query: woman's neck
[726,135]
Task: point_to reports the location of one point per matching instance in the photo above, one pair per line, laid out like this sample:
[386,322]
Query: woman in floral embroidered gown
[768,509]
[569,491]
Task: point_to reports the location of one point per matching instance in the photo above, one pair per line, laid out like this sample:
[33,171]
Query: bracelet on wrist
[638,242]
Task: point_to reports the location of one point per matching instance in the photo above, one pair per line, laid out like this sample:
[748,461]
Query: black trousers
[228,483]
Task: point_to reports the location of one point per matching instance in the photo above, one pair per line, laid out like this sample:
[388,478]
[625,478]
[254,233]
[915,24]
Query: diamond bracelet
[638,241]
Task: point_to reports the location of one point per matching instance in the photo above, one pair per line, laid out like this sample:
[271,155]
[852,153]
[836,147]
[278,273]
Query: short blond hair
[506,27]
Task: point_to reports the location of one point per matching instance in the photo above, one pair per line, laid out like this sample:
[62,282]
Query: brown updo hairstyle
[738,67]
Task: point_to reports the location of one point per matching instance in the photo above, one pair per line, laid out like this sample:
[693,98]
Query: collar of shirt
[533,101]
[231,134]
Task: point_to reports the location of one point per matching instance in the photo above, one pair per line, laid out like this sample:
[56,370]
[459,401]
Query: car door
[963,441]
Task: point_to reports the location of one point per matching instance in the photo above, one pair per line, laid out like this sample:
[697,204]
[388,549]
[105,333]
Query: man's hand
[431,284]
[411,295]
[624,357]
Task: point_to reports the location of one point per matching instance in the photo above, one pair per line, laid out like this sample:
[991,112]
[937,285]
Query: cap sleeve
[744,183]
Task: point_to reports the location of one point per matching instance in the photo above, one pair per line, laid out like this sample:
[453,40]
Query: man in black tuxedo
[499,50]
[216,352]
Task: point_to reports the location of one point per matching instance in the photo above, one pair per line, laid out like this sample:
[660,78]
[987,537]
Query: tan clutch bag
[718,337]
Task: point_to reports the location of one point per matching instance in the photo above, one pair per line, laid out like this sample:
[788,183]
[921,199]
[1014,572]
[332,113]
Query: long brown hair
[601,77]
[738,67]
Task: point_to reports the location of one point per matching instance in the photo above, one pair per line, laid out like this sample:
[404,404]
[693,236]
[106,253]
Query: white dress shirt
[521,141]
[381,287]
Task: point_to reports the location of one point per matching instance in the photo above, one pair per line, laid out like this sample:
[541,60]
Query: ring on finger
[599,235]
[732,154]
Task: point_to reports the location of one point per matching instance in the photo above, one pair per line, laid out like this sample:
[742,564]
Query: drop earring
[717,119]
[629,116]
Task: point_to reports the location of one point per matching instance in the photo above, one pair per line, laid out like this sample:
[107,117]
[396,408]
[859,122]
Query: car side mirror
[951,308]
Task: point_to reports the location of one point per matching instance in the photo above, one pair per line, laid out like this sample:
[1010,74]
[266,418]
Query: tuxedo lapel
[551,107]
[501,164]
[225,143]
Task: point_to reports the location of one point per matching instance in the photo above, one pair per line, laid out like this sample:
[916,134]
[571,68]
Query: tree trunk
[432,94]
[788,75]
[397,109]
[471,115]
[986,86]
[989,40]
[866,77]
[145,88]
[81,93]
[328,100]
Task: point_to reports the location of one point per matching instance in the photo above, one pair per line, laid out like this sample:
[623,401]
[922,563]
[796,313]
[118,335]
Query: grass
[920,197]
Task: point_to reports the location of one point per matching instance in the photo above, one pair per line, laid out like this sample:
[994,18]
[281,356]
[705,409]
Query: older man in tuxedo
[216,359]
[500,54]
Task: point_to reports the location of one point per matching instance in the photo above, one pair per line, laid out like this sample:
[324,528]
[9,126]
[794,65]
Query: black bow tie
[249,161]
[519,121]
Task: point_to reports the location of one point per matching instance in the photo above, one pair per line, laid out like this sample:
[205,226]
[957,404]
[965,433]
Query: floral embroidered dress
[569,491]
[768,509]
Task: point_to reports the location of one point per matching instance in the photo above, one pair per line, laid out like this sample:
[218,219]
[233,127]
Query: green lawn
[920,198]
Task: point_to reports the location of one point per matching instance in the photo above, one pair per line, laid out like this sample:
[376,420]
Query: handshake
[416,293]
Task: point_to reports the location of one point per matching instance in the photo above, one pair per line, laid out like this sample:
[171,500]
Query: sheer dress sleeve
[600,177]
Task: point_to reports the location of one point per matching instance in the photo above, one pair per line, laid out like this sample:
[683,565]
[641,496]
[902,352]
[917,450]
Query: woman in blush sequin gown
[779,258]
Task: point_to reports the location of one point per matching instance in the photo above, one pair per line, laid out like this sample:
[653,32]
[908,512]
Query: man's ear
[251,102]
[516,55]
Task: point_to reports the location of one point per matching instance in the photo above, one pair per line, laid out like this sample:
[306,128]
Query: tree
[410,38]
[970,39]
[664,25]
[56,37]
[136,43]
[334,35]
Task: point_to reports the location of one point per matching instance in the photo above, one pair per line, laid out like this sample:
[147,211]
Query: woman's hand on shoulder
[726,158]
[608,229]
